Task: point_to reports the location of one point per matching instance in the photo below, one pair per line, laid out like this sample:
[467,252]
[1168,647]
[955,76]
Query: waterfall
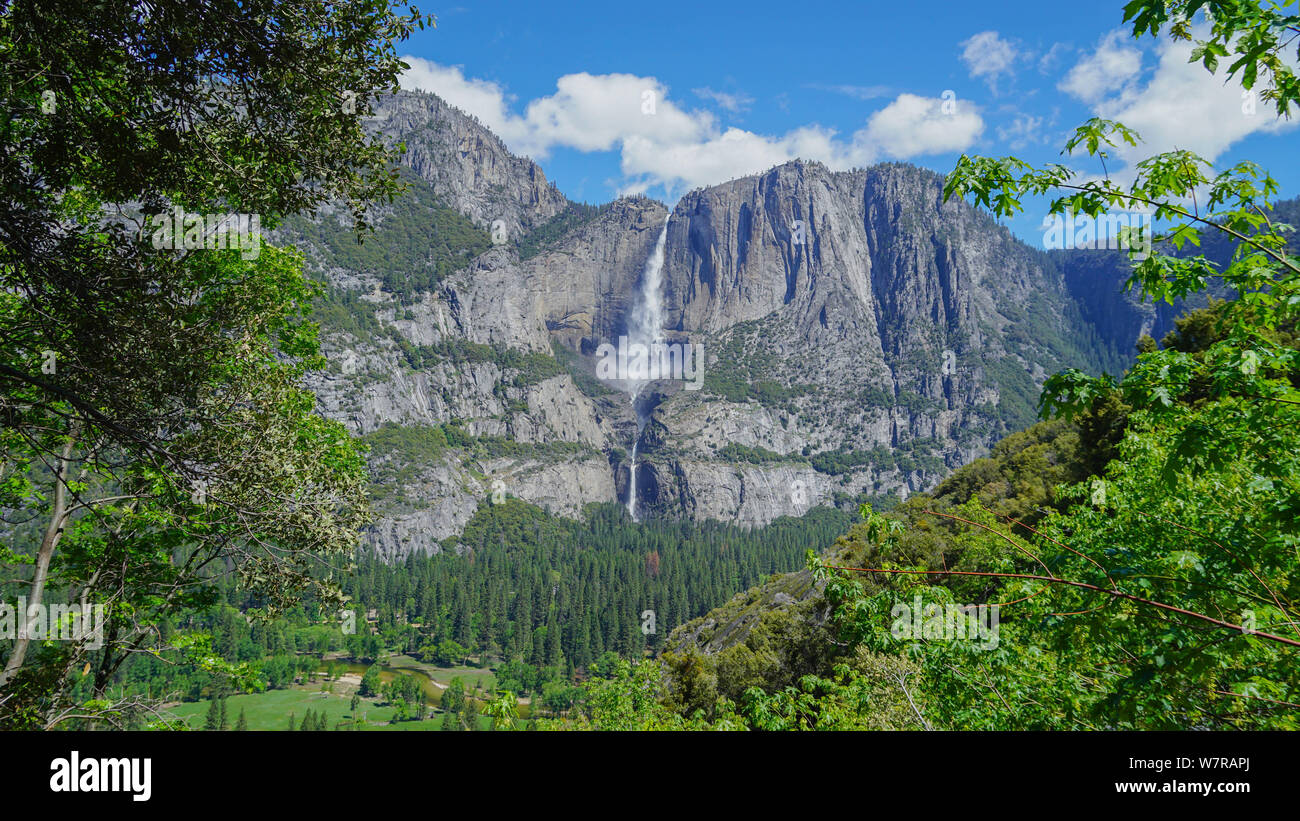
[644,329]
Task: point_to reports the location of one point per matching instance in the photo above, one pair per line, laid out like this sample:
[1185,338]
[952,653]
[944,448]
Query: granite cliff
[862,338]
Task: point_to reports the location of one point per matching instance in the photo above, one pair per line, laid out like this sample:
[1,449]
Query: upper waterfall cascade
[645,328]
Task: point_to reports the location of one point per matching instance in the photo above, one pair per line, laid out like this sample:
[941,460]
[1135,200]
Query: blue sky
[614,98]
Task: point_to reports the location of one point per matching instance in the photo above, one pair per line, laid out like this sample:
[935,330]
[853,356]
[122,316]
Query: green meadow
[272,709]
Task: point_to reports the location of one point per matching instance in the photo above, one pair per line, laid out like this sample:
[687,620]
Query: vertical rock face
[1116,314]
[584,286]
[874,316]
[1093,277]
[874,252]
[862,338]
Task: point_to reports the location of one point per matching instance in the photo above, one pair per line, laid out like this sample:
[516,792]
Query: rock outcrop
[467,166]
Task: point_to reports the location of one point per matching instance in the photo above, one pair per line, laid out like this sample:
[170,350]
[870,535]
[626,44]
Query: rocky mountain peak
[862,338]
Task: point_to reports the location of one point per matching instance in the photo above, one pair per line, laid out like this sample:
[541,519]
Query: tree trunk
[58,516]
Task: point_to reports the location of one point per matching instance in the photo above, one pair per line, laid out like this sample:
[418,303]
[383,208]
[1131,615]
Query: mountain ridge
[897,339]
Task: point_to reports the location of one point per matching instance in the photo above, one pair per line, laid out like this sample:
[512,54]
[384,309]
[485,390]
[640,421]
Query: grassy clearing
[272,709]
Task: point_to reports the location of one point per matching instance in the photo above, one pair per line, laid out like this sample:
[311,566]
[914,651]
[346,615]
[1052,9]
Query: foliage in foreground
[155,432]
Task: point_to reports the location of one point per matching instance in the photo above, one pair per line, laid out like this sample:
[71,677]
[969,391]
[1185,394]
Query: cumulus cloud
[1180,104]
[988,56]
[1109,69]
[594,112]
[485,100]
[587,112]
[661,143]
[913,125]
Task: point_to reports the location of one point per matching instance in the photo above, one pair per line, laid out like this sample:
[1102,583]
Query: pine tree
[224,720]
[213,720]
[470,714]
[242,723]
[553,656]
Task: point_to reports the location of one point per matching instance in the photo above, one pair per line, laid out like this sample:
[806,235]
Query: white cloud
[594,112]
[661,143]
[912,125]
[587,112]
[1052,56]
[988,56]
[483,99]
[1110,69]
[733,153]
[1180,105]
